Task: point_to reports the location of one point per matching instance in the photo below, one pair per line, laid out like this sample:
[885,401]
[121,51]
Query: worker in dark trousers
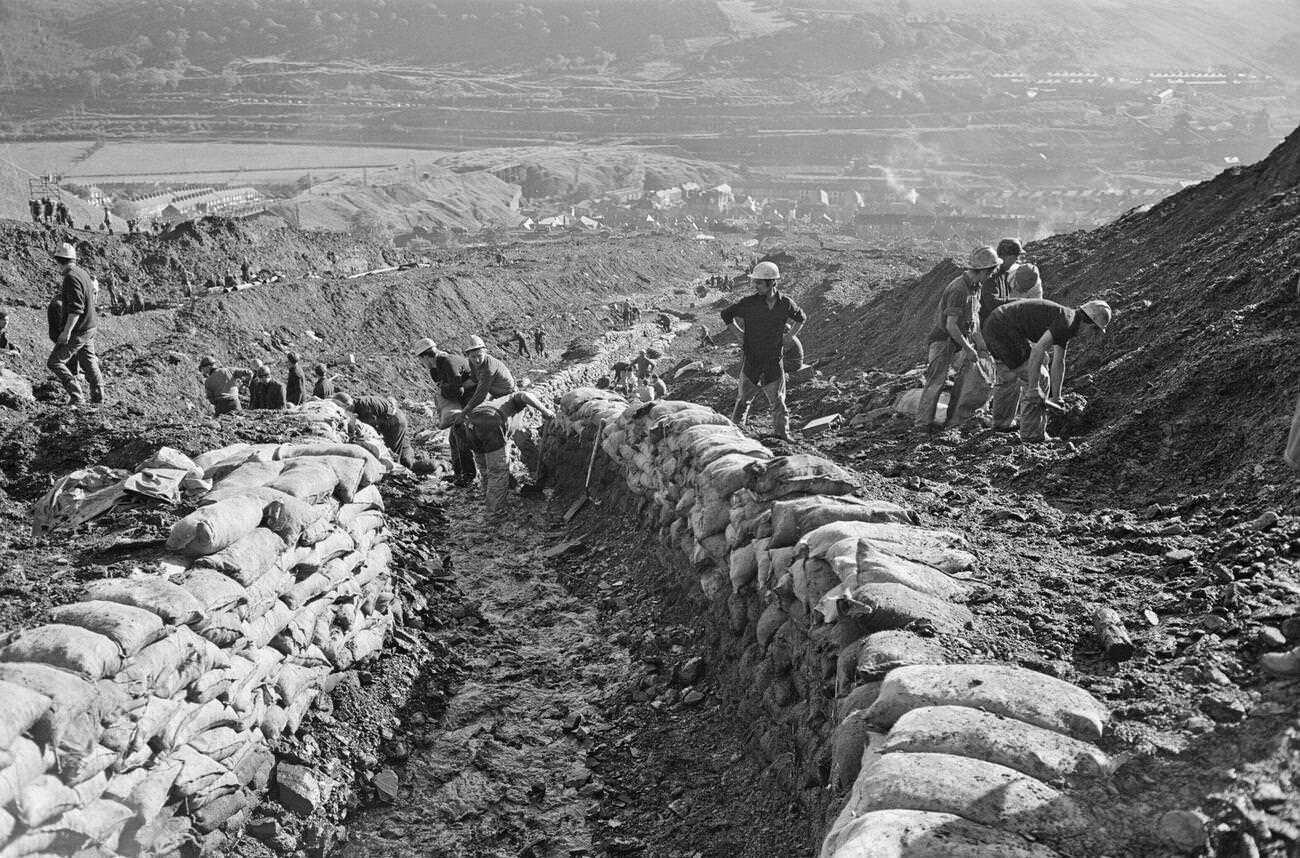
[382,413]
[264,392]
[295,388]
[492,426]
[75,342]
[456,383]
[221,384]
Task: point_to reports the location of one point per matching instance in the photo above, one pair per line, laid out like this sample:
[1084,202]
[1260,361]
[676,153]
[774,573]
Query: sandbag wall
[841,613]
[139,720]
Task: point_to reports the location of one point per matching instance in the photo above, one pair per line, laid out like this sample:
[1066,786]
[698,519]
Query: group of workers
[1005,342]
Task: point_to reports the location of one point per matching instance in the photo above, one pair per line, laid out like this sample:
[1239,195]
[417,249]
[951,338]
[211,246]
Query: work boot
[1282,664]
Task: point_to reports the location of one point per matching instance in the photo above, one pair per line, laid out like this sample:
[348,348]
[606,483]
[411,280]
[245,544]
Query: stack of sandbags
[146,710]
[978,755]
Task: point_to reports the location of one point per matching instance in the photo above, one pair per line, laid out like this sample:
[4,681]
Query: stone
[1269,794]
[263,827]
[297,788]
[1270,638]
[694,697]
[1224,708]
[692,671]
[386,784]
[1179,555]
[1185,830]
[1265,521]
[1291,628]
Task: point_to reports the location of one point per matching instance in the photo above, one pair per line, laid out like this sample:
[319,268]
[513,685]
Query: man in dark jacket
[492,427]
[383,414]
[455,380]
[763,320]
[295,389]
[221,384]
[75,342]
[264,392]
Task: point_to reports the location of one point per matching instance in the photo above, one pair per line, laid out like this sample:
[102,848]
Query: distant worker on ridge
[763,320]
[221,384]
[75,342]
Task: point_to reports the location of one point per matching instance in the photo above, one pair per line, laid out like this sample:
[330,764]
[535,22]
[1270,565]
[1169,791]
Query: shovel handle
[591,462]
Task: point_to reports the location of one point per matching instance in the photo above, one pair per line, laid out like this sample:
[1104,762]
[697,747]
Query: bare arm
[795,328]
[68,324]
[532,400]
[959,337]
[1036,354]
[1057,373]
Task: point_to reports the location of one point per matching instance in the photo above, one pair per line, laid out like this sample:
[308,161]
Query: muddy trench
[595,706]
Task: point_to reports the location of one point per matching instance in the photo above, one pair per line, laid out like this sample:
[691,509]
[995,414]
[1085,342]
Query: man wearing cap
[221,384]
[264,392]
[763,320]
[455,380]
[643,365]
[383,413]
[1020,335]
[492,378]
[491,426]
[75,343]
[954,339]
[295,389]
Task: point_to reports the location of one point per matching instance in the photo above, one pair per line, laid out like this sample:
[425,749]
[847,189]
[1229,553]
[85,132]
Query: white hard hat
[765,271]
[475,342]
[66,251]
[1099,312]
[423,345]
[983,257]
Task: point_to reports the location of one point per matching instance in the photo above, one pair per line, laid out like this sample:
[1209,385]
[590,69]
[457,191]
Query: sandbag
[100,821]
[219,742]
[725,475]
[918,834]
[68,647]
[336,544]
[308,479]
[1011,691]
[131,628]
[234,452]
[799,474]
[347,471]
[248,558]
[248,475]
[881,652]
[222,628]
[973,789]
[960,730]
[812,580]
[20,708]
[861,561]
[848,743]
[214,590]
[372,471]
[261,630]
[173,603]
[288,517]
[73,722]
[942,549]
[201,777]
[29,762]
[217,811]
[212,528]
[743,566]
[251,764]
[294,680]
[145,790]
[795,517]
[43,799]
[893,606]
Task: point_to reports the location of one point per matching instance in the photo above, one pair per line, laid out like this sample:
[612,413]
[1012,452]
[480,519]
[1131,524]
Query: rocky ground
[555,692]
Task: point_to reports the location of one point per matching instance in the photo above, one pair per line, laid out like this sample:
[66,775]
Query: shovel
[586,486]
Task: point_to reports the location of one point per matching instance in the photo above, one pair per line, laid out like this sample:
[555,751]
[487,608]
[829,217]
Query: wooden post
[1114,638]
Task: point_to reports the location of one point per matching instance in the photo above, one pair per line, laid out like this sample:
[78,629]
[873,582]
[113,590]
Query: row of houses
[191,201]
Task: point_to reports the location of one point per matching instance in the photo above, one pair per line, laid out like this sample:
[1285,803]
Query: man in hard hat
[763,320]
[383,413]
[954,338]
[492,378]
[75,343]
[264,392]
[492,425]
[1021,335]
[455,384]
[295,388]
[221,384]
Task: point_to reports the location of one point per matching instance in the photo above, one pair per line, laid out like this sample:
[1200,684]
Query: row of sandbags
[824,583]
[140,718]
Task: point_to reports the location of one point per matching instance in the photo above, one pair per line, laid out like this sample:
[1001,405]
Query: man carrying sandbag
[456,384]
[221,384]
[763,320]
[384,415]
[1019,336]
[492,426]
[75,343]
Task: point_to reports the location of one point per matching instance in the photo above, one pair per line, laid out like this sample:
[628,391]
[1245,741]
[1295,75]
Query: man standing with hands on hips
[763,320]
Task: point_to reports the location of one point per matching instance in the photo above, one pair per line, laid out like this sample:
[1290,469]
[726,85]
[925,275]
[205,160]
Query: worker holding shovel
[491,428]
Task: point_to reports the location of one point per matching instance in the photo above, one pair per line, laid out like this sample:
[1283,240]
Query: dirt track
[529,703]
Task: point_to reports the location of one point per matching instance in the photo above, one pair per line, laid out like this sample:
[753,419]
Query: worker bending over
[492,426]
[382,413]
[221,384]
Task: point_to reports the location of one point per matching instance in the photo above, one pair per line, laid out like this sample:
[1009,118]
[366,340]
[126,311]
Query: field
[137,161]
